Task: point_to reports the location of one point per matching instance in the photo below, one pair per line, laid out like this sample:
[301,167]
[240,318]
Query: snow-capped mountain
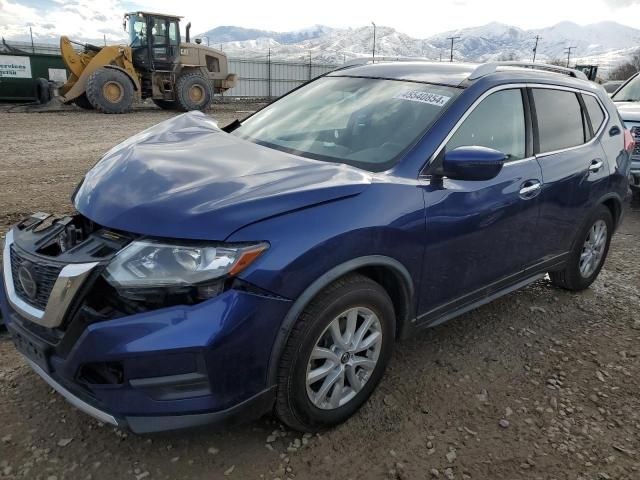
[608,42]
[227,34]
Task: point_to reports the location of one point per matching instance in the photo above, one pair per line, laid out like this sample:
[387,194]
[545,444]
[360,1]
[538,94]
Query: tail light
[629,141]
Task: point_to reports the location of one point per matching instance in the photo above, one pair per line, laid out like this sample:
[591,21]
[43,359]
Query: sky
[91,19]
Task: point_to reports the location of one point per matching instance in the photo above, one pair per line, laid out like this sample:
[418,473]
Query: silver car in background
[627,99]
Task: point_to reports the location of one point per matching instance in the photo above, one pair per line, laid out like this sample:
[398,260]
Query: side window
[560,121]
[497,122]
[595,112]
[173,33]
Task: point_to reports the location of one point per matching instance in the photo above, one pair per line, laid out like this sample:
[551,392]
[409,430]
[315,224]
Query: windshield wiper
[232,126]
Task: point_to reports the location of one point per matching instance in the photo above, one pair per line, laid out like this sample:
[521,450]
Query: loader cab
[154,40]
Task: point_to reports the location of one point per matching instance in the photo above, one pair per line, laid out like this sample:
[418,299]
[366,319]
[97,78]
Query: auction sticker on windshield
[424,97]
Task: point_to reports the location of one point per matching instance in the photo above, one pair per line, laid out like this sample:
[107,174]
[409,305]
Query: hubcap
[113,91]
[343,358]
[593,249]
[196,93]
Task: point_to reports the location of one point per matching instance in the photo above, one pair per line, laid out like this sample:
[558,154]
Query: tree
[557,62]
[507,57]
[627,69]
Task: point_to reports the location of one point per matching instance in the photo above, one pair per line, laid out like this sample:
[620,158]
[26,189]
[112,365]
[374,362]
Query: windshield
[630,92]
[363,122]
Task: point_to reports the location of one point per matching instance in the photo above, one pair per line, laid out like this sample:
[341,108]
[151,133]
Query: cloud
[622,3]
[83,20]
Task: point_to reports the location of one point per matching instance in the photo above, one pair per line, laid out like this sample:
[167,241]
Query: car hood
[187,178]
[629,111]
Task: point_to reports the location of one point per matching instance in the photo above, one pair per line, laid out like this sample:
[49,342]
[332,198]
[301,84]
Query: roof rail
[491,67]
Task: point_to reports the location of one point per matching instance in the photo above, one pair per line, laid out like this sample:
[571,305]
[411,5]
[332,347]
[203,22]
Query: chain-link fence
[258,77]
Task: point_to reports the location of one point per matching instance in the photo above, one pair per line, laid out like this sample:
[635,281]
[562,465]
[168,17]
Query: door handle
[595,166]
[530,188]
[615,130]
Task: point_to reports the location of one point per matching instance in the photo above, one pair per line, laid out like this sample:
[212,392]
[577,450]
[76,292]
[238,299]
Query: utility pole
[309,64]
[373,54]
[453,39]
[568,52]
[105,39]
[535,49]
[33,48]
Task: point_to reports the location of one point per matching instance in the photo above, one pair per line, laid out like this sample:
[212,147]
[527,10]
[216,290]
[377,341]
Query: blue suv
[212,275]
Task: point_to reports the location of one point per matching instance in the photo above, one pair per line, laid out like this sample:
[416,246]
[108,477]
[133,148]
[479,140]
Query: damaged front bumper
[161,369]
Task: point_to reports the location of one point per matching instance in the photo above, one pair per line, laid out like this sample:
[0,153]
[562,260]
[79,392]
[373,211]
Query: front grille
[635,131]
[44,275]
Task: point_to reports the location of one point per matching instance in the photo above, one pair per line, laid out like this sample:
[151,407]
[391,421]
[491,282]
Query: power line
[453,39]
[568,52]
[535,49]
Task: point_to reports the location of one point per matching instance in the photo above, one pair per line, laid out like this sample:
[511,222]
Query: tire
[43,91]
[572,278]
[110,91]
[164,104]
[294,404]
[83,102]
[193,92]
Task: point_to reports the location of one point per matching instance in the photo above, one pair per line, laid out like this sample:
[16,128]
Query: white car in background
[627,99]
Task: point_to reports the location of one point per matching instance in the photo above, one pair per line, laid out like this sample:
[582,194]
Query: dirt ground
[541,384]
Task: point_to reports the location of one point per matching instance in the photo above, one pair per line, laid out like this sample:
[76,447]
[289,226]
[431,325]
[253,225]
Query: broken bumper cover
[260,402]
[179,367]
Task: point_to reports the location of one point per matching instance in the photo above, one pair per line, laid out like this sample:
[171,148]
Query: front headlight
[150,263]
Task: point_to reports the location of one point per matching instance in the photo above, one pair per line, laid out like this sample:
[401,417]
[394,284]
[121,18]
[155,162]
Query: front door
[165,43]
[479,233]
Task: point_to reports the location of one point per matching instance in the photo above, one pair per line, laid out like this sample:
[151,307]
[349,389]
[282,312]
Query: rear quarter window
[559,117]
[595,112]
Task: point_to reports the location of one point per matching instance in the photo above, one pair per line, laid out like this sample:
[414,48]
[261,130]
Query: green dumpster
[19,72]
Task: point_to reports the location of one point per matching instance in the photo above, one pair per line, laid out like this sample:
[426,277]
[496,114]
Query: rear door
[479,232]
[574,170]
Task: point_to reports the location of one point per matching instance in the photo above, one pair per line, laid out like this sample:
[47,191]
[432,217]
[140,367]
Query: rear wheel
[110,91]
[193,92]
[165,104]
[336,354]
[83,102]
[588,253]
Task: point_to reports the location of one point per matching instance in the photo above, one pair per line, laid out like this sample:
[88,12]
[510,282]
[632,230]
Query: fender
[618,201]
[323,281]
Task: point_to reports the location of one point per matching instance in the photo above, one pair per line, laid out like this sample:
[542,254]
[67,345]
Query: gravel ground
[541,384]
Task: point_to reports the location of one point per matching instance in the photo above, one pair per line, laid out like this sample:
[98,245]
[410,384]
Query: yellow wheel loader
[156,64]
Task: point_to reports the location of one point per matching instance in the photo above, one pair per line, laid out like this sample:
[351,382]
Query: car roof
[452,74]
[464,74]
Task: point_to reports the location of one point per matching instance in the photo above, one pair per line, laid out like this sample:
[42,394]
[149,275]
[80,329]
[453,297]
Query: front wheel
[336,354]
[110,91]
[588,253]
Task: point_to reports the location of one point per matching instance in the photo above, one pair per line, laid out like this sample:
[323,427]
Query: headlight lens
[149,263]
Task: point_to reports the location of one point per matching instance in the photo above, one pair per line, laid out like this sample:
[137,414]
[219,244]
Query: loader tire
[110,91]
[43,91]
[165,104]
[193,92]
[83,102]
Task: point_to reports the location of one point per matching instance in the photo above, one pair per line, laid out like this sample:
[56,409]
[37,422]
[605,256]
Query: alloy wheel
[344,358]
[593,249]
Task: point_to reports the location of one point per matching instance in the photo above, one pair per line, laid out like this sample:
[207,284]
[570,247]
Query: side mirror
[472,163]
